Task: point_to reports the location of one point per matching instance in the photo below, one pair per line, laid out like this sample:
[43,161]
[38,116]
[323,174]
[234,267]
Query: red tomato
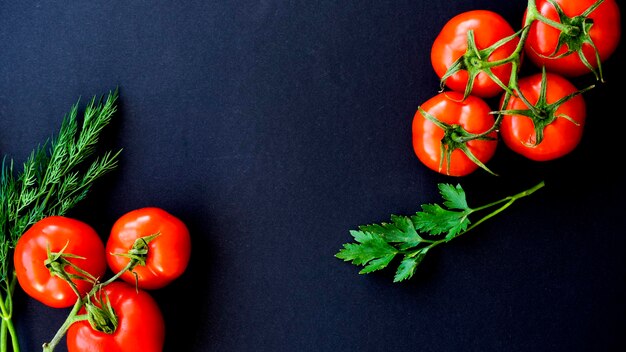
[560,135]
[543,38]
[168,254]
[57,232]
[451,44]
[471,115]
[140,328]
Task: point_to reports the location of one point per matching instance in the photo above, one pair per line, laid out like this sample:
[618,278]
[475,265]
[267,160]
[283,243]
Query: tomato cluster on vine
[478,55]
[61,262]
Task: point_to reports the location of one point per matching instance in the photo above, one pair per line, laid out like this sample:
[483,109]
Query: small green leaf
[378,264]
[400,230]
[457,229]
[407,267]
[370,247]
[436,220]
[454,197]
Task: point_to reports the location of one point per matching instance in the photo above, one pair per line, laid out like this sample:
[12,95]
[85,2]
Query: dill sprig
[54,178]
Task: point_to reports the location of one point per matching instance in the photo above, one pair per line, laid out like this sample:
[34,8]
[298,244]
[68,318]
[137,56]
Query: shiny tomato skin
[543,38]
[561,136]
[451,43]
[57,232]
[472,114]
[141,326]
[168,254]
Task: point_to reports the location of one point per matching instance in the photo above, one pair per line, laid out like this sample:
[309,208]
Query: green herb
[55,177]
[412,237]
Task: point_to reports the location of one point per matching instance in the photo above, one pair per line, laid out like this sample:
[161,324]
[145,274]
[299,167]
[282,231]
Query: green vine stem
[74,317]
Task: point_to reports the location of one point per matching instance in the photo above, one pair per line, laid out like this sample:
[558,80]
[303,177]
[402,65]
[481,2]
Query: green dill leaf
[436,220]
[53,178]
[369,247]
[401,230]
[454,197]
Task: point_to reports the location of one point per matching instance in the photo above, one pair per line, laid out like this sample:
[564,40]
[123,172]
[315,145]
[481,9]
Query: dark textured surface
[274,127]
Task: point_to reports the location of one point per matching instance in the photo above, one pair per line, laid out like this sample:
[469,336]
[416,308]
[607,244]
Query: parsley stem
[509,200]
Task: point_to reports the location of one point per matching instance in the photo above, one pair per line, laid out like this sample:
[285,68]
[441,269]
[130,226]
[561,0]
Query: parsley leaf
[454,197]
[436,220]
[407,267]
[411,237]
[371,250]
[401,230]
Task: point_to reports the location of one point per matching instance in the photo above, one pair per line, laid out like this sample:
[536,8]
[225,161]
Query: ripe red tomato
[451,44]
[168,254]
[57,232]
[542,38]
[141,327]
[471,115]
[560,135]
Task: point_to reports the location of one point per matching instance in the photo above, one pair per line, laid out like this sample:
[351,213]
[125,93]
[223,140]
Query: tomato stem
[73,316]
[71,319]
[128,267]
[532,14]
[515,59]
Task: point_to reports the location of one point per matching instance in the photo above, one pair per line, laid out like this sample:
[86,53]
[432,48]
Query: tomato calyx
[102,316]
[138,253]
[574,35]
[58,262]
[542,113]
[475,61]
[456,137]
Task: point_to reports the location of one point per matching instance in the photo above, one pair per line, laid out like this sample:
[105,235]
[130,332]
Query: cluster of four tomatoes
[477,55]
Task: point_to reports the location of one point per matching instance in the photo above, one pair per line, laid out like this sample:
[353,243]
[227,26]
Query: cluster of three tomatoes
[62,262]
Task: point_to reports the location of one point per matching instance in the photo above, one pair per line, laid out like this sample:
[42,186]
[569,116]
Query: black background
[272,128]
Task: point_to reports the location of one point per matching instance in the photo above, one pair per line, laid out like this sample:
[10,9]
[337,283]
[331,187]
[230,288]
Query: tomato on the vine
[445,130]
[139,325]
[78,243]
[168,254]
[450,50]
[552,126]
[584,27]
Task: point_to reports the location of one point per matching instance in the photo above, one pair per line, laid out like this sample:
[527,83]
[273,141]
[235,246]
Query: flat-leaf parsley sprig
[412,237]
[54,178]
